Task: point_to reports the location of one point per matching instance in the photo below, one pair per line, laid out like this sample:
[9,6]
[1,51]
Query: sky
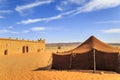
[60,20]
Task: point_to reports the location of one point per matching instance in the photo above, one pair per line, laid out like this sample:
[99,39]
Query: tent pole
[94,58]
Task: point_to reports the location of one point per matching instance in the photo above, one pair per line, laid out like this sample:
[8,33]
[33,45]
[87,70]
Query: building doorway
[27,49]
[6,52]
[23,49]
[38,50]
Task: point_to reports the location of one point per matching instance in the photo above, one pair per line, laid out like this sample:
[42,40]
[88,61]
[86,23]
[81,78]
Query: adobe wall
[15,46]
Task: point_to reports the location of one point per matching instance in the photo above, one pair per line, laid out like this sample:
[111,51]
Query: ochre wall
[15,46]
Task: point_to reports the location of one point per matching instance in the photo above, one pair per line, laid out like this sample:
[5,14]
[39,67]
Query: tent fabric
[107,61]
[81,57]
[61,61]
[82,61]
[92,43]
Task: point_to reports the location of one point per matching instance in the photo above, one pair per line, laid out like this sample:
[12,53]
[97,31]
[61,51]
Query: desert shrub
[59,47]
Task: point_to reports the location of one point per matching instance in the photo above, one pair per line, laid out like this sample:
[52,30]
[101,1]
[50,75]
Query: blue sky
[60,20]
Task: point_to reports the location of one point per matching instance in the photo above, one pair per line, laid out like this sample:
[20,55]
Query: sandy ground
[22,66]
[56,75]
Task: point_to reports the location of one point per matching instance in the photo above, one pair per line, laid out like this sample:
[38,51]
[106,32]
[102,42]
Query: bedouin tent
[91,54]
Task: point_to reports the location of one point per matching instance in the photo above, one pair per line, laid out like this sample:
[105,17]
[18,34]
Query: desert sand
[23,67]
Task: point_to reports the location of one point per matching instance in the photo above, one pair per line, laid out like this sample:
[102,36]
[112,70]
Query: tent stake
[94,58]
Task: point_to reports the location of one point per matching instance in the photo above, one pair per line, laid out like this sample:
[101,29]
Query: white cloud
[40,19]
[29,6]
[8,31]
[38,29]
[59,8]
[1,17]
[26,31]
[43,32]
[66,4]
[6,11]
[117,30]
[91,5]
[77,1]
[10,27]
[62,6]
[94,5]
[4,31]
[14,32]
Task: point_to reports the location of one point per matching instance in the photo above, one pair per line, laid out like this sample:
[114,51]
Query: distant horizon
[80,42]
[56,41]
[60,20]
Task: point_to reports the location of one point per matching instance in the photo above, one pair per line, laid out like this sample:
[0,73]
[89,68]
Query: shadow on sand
[49,68]
[44,68]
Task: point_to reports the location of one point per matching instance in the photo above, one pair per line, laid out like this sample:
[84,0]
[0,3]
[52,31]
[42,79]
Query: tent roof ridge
[93,43]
